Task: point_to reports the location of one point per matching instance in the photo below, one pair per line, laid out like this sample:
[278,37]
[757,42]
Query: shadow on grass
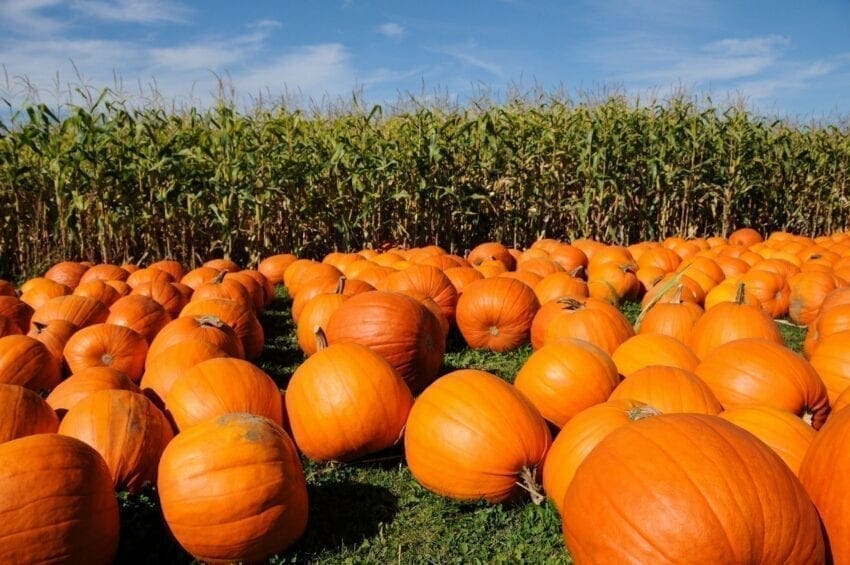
[344,514]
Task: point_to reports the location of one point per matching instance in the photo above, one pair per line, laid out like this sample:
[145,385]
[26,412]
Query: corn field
[107,181]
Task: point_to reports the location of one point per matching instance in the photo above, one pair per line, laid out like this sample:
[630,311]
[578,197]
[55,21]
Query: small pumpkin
[496,314]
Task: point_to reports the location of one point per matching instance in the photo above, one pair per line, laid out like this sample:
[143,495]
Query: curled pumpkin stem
[528,483]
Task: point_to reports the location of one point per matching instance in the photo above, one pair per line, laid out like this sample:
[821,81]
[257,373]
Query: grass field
[373,510]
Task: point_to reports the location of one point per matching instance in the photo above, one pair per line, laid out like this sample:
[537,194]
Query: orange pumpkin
[647,349]
[831,360]
[107,345]
[274,266]
[659,498]
[675,318]
[563,379]
[85,382]
[140,313]
[24,413]
[594,321]
[204,327]
[99,290]
[471,435]
[232,489]
[127,430]
[67,273]
[489,251]
[57,502]
[669,389]
[496,314]
[346,401]
[783,432]
[27,362]
[171,363]
[81,311]
[238,316]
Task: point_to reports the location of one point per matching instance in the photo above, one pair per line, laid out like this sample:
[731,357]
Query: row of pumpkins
[655,428]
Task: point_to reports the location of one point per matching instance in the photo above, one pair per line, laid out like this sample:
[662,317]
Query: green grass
[373,510]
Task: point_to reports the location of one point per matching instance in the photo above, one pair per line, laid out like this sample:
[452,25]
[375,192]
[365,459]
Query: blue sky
[782,56]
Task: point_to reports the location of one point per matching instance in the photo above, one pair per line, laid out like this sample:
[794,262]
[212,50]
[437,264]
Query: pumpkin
[196,277]
[232,489]
[41,291]
[771,289]
[758,371]
[675,318]
[57,502]
[496,314]
[316,313]
[107,345]
[342,286]
[471,435]
[563,379]
[165,294]
[659,499]
[730,321]
[24,413]
[570,257]
[54,336]
[140,313]
[18,311]
[220,288]
[427,280]
[8,327]
[274,266]
[311,273]
[579,436]
[219,386]
[104,272]
[127,430]
[491,251]
[560,285]
[647,349]
[745,237]
[170,266]
[461,277]
[808,290]
[346,401]
[398,328]
[149,275]
[824,473]
[99,290]
[85,382]
[669,389]
[829,322]
[204,327]
[27,362]
[831,360]
[67,273]
[81,311]
[171,363]
[783,432]
[593,320]
[238,316]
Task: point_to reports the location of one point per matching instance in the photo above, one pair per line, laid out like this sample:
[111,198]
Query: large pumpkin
[346,401]
[232,489]
[24,413]
[471,435]
[126,429]
[170,364]
[562,379]
[496,313]
[825,472]
[669,488]
[754,371]
[594,321]
[669,389]
[398,328]
[219,386]
[57,502]
[428,280]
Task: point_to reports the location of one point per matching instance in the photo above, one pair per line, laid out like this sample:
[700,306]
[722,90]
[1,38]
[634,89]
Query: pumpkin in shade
[232,489]
[255,288]
[730,321]
[669,389]
[826,324]
[27,362]
[57,502]
[140,313]
[825,473]
[661,502]
[496,314]
[755,371]
[85,382]
[346,401]
[808,290]
[238,316]
[107,345]
[783,432]
[127,430]
[18,311]
[24,413]
[579,436]
[171,363]
[219,386]
[563,379]
[647,349]
[395,326]
[204,327]
[470,436]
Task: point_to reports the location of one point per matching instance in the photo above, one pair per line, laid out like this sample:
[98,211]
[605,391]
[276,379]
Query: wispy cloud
[133,11]
[467,54]
[391,30]
[26,17]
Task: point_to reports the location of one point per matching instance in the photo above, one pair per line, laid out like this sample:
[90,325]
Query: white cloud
[391,30]
[468,55]
[133,11]
[25,17]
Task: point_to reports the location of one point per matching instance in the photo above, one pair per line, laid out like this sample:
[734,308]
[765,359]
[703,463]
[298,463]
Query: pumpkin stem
[570,303]
[636,413]
[208,320]
[808,416]
[528,483]
[219,277]
[739,295]
[578,272]
[321,338]
[340,285]
[107,359]
[39,326]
